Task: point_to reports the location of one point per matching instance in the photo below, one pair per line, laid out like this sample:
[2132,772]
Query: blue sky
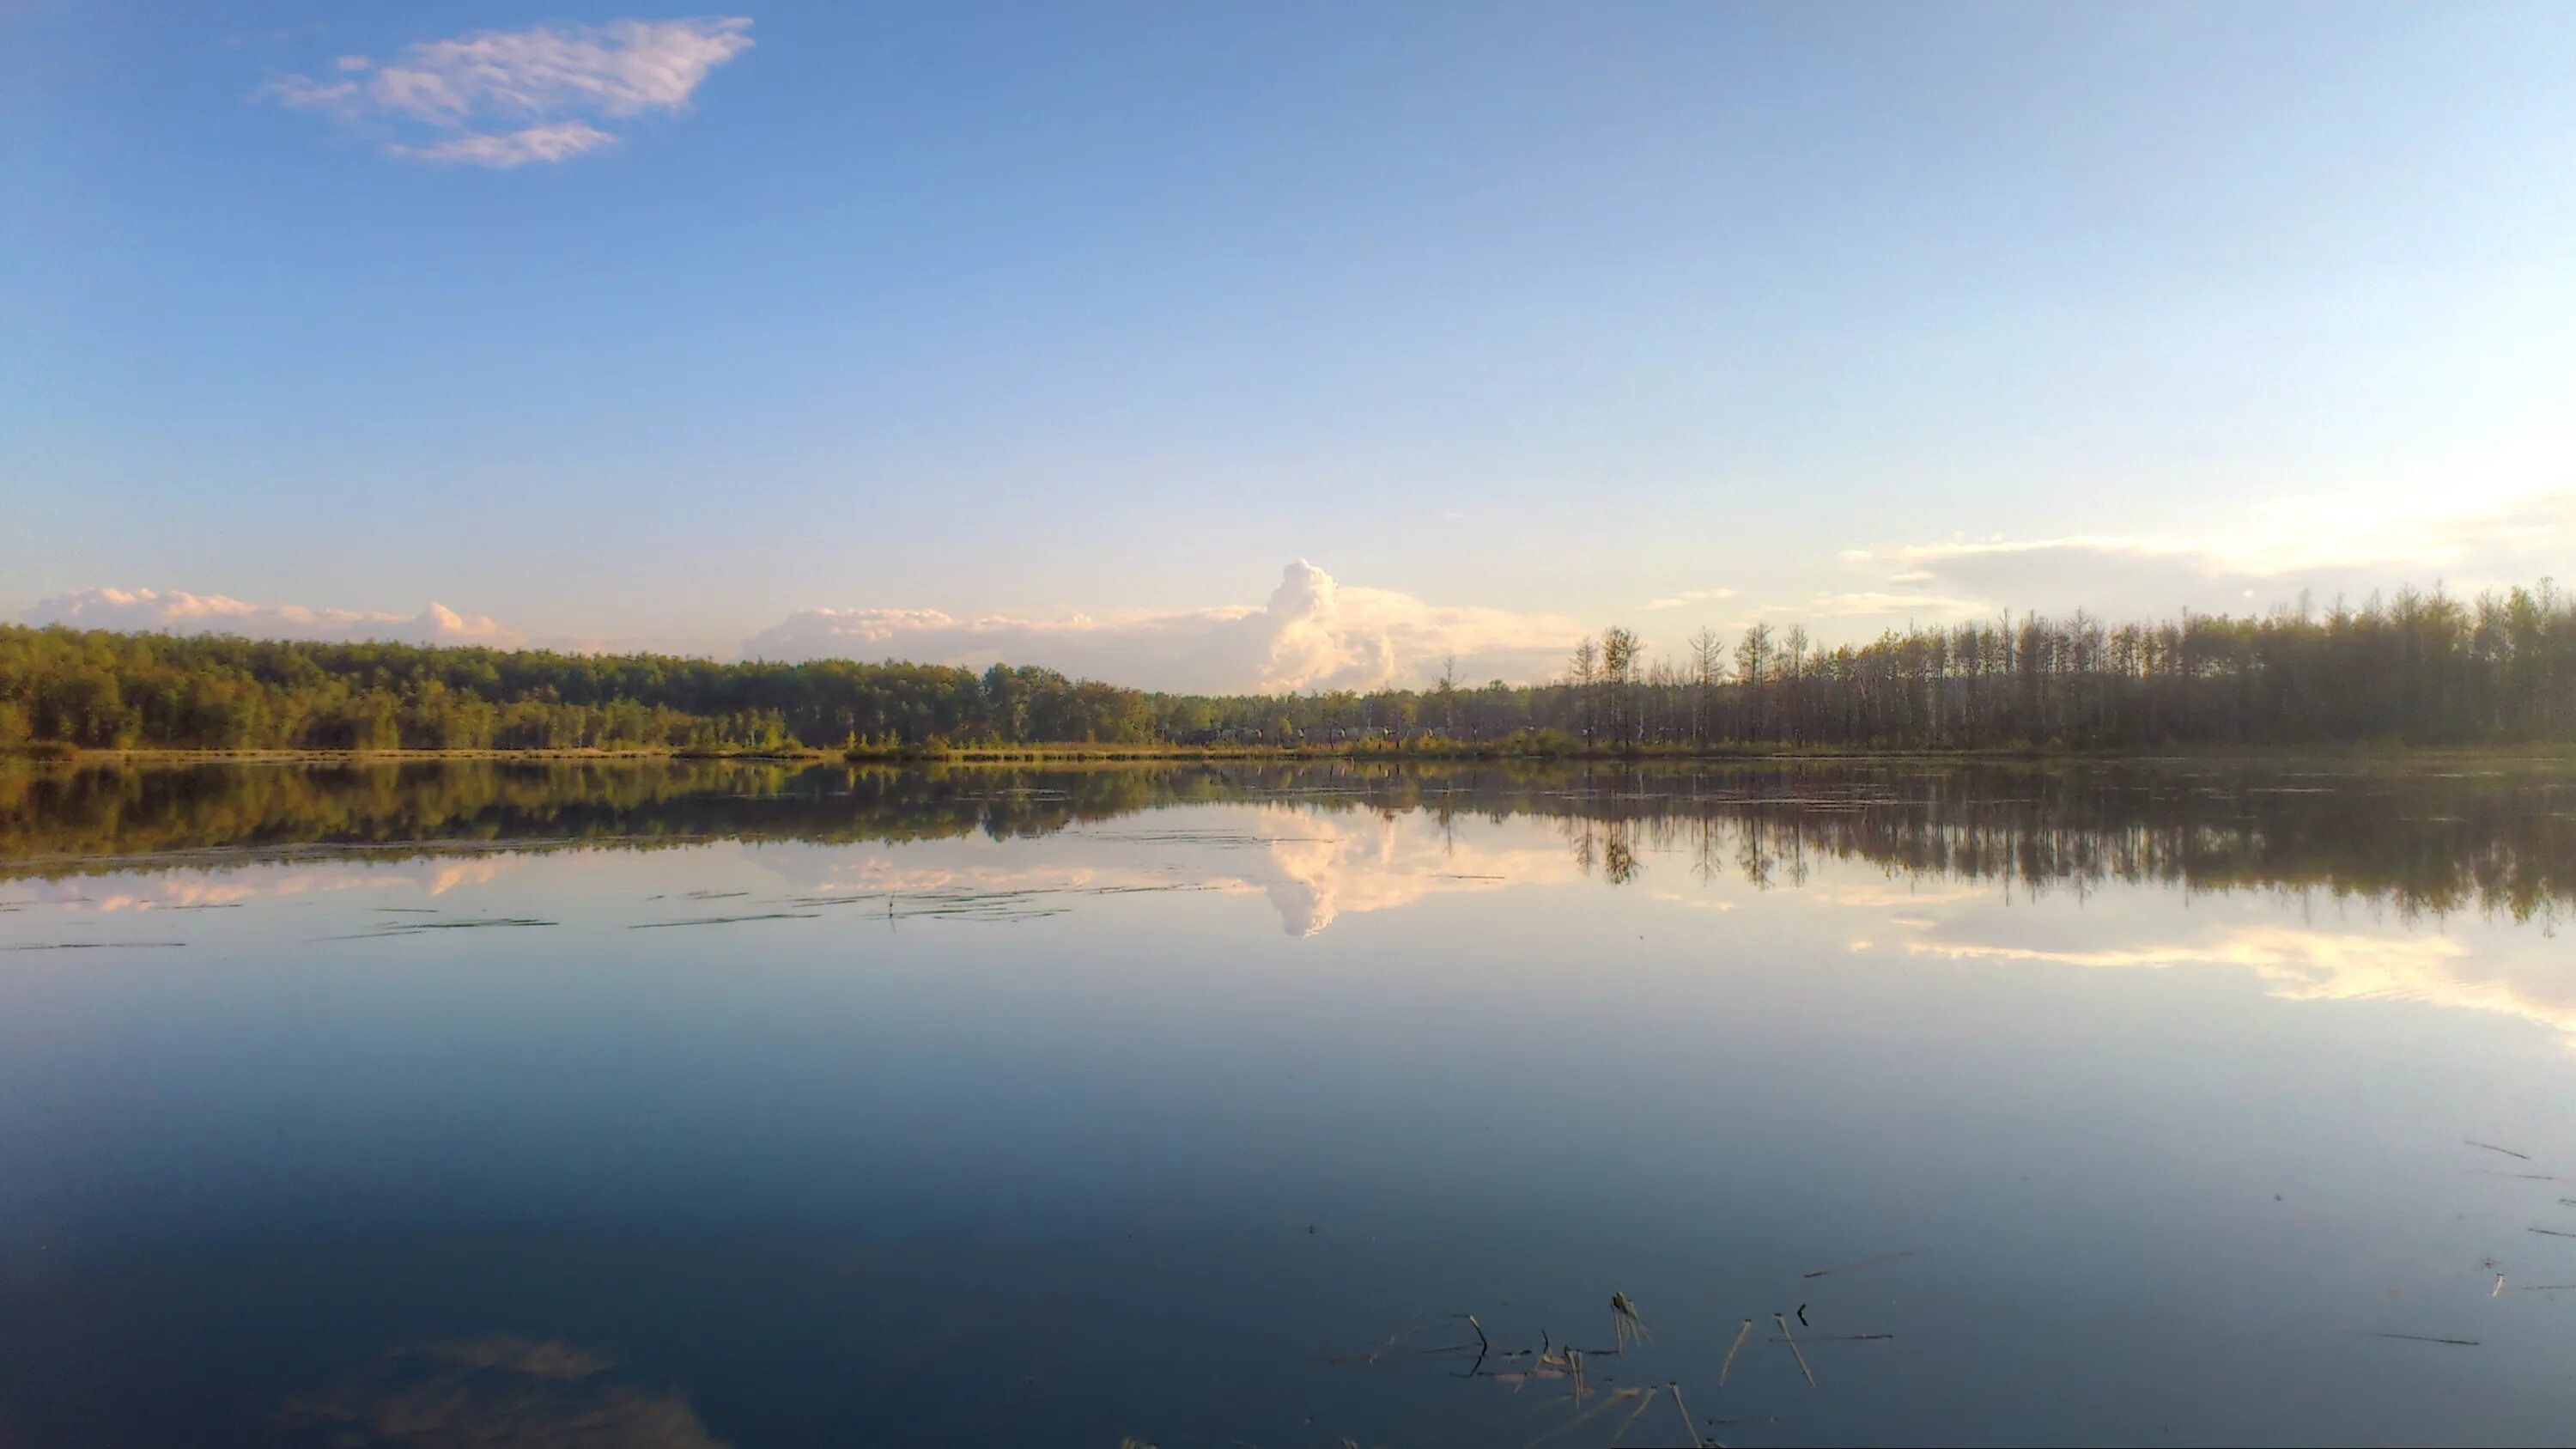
[1055,332]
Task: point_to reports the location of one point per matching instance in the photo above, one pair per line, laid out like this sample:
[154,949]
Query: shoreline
[1076,754]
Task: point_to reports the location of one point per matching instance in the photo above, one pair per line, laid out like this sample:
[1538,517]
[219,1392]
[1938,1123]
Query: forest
[2418,669]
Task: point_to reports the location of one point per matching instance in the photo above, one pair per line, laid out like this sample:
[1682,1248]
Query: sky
[1271,346]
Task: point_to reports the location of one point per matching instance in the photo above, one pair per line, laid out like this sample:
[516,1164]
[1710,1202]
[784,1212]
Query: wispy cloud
[504,98]
[2266,556]
[1313,633]
[557,142]
[1874,604]
[1688,596]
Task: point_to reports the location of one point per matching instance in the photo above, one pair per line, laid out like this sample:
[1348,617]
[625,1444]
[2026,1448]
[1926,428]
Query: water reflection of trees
[55,817]
[500,1393]
[2499,838]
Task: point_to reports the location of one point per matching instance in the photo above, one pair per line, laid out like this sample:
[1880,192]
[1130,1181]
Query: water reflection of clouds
[1900,895]
[1938,919]
[505,1392]
[247,885]
[2307,965]
[1317,866]
[481,870]
[1314,867]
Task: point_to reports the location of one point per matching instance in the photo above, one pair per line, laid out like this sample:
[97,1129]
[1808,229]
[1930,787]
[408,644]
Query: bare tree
[1753,669]
[1708,665]
[1584,673]
[1793,670]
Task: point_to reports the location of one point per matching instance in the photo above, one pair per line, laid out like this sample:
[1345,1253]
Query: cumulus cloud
[504,98]
[174,612]
[1314,633]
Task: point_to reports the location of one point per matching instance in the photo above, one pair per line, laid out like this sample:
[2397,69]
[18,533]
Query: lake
[683,1104]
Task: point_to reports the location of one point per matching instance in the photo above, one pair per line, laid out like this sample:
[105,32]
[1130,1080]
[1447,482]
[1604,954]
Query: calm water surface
[684,1105]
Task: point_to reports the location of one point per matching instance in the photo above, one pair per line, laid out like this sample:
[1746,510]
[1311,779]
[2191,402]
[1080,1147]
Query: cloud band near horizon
[1313,632]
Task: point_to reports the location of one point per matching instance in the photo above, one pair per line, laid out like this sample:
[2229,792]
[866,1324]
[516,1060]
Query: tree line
[2417,668]
[101,690]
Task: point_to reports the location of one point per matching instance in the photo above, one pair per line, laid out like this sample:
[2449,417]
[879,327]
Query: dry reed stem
[1687,1426]
[1729,1366]
[1791,1339]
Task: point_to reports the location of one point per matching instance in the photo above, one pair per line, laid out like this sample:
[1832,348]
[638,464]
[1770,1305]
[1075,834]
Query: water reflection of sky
[1314,868]
[1129,1127]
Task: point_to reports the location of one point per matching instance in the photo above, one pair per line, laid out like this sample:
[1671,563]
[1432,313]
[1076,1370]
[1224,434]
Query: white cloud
[557,142]
[1313,633]
[1688,596]
[510,97]
[306,92]
[2268,556]
[1875,604]
[173,612]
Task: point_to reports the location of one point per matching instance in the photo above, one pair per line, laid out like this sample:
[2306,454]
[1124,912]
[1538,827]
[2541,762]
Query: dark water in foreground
[673,1106]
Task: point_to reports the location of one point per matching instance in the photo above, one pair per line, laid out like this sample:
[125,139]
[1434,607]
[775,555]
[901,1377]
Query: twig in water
[2552,1233]
[1642,1405]
[1843,1338]
[1863,1263]
[1484,1346]
[2421,1338]
[1728,1366]
[2545,1288]
[696,921]
[96,945]
[1373,1355]
[1687,1426]
[1791,1340]
[1625,1325]
[2499,1287]
[1591,1413]
[2491,1147]
[2524,1176]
